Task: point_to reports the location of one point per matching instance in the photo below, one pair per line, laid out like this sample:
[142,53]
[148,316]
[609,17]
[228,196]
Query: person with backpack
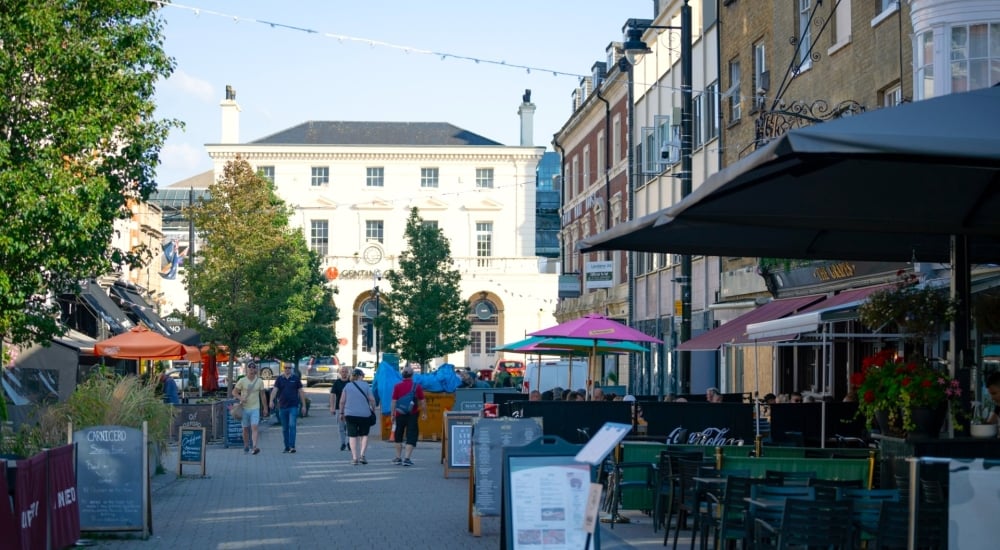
[407,402]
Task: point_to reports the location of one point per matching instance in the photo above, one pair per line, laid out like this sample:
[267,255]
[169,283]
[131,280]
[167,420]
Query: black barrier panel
[720,423]
[573,421]
[788,420]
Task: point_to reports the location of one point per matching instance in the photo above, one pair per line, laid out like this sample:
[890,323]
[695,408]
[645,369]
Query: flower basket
[906,397]
[917,310]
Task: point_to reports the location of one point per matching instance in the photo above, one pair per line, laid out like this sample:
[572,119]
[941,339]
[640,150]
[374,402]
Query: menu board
[551,495]
[489,437]
[111,484]
[458,440]
[192,448]
[234,428]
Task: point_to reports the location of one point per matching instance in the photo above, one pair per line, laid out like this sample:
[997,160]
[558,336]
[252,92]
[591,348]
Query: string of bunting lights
[445,56]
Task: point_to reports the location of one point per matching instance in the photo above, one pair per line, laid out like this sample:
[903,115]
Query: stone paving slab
[317,499]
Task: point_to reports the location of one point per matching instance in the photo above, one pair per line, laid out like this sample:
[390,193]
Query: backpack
[404,405]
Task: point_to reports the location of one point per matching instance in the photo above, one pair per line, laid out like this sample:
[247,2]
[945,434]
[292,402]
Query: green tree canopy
[254,276]
[78,143]
[424,315]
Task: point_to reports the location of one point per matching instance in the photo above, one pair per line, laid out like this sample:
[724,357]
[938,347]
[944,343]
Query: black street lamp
[376,277]
[634,45]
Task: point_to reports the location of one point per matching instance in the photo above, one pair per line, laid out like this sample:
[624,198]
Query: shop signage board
[457,443]
[112,465]
[192,448]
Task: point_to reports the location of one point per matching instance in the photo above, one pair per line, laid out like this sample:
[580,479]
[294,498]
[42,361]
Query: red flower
[869,396]
[857,378]
[926,384]
[906,381]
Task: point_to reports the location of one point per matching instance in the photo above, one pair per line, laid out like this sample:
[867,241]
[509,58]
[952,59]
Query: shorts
[407,423]
[251,417]
[357,426]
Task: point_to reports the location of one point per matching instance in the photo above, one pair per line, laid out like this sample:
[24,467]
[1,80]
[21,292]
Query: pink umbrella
[596,328]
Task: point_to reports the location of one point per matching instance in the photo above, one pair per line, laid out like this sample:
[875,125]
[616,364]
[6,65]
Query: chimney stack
[230,117]
[527,113]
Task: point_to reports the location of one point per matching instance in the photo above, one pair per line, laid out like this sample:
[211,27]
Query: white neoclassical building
[351,186]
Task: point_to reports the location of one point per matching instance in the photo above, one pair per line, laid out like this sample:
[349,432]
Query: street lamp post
[635,45]
[376,277]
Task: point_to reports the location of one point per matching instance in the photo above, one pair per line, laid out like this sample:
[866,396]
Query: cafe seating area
[722,498]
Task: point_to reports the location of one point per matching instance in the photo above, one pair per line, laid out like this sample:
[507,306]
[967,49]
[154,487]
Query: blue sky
[284,76]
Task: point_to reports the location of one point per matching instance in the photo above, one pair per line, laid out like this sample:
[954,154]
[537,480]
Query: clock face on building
[373,254]
[484,311]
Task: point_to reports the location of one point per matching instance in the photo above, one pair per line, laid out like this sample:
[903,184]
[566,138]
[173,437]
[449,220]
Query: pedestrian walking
[407,402]
[247,390]
[290,399]
[336,389]
[356,409]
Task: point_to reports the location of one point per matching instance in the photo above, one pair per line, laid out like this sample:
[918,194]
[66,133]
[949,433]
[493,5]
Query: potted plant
[980,413]
[912,395]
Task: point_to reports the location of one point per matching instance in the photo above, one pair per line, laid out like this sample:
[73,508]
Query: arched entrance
[363,337]
[486,333]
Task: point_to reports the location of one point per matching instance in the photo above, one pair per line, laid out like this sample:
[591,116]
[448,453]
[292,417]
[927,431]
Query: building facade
[351,186]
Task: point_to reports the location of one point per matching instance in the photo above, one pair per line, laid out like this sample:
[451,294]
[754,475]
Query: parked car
[269,368]
[320,370]
[369,369]
[186,378]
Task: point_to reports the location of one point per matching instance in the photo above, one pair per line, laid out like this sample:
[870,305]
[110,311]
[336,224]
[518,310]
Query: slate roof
[320,132]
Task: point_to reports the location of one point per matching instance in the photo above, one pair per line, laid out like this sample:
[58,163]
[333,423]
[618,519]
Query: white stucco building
[352,185]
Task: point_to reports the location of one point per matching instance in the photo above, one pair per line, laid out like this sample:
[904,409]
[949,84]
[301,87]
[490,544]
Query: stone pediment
[326,202]
[430,203]
[375,204]
[483,205]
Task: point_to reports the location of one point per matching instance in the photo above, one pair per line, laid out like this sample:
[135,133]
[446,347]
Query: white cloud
[181,160]
[192,86]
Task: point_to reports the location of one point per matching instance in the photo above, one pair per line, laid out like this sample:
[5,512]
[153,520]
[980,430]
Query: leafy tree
[253,274]
[424,316]
[78,143]
[318,335]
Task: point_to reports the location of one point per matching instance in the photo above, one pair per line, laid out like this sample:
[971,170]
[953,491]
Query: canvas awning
[838,307]
[141,309]
[734,332]
[104,308]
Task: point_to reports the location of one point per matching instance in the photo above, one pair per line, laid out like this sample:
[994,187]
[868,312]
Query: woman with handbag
[357,408]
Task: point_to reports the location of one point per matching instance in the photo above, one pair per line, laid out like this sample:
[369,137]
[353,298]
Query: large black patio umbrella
[916,182]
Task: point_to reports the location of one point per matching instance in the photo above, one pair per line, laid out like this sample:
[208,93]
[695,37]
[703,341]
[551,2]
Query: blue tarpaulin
[387,376]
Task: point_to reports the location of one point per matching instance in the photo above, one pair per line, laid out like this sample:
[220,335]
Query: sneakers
[256,451]
[354,462]
[292,450]
[343,446]
[363,460]
[407,462]
[286,450]
[397,460]
[246,450]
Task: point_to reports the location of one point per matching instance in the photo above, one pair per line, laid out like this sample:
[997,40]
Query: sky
[291,61]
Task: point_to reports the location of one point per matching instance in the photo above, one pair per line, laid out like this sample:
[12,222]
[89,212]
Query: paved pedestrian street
[315,498]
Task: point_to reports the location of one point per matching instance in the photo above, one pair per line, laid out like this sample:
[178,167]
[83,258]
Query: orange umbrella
[140,343]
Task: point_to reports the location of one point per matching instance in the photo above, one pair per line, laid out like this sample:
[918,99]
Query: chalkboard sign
[458,440]
[489,437]
[192,448]
[111,465]
[234,428]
